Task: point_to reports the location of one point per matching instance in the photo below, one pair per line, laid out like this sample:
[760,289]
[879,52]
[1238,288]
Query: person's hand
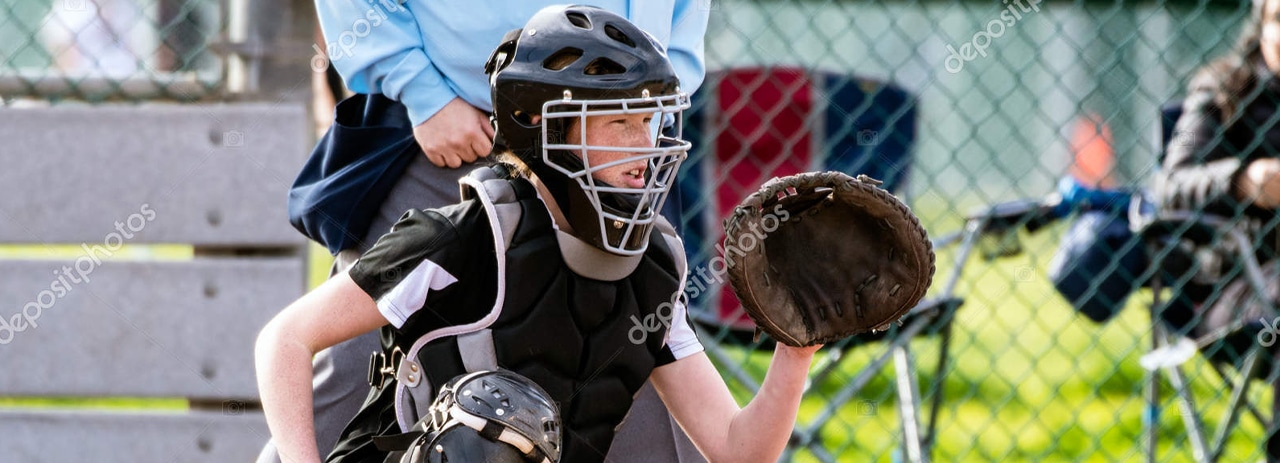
[457,134]
[1261,183]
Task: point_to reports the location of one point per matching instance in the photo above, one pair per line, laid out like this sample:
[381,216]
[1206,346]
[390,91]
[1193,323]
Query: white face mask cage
[663,160]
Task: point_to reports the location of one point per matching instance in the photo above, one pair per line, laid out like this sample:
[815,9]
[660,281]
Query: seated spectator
[1224,159]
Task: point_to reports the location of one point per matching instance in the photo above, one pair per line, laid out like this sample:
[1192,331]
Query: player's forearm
[284,382]
[759,432]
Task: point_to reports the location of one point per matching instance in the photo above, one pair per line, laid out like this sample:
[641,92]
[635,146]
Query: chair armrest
[1203,229]
[1034,214]
[1006,216]
[1200,228]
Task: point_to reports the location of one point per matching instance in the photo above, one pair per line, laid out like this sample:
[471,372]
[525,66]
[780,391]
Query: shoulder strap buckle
[382,366]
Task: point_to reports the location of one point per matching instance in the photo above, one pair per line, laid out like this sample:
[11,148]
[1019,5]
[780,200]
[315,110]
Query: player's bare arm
[724,432]
[333,312]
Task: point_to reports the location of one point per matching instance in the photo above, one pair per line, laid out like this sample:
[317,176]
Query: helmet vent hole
[562,59]
[603,67]
[617,34]
[578,19]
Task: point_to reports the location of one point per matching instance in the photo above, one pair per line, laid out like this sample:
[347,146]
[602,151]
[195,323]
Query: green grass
[115,404]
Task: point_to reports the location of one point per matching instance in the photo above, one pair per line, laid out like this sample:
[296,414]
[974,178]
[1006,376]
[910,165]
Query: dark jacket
[1207,155]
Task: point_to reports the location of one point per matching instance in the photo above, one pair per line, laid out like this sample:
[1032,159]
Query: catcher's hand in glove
[817,257]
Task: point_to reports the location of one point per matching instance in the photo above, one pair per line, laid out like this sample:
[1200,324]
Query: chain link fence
[137,50]
[957,104]
[987,103]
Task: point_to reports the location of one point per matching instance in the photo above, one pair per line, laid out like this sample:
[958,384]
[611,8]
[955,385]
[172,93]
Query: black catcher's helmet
[570,62]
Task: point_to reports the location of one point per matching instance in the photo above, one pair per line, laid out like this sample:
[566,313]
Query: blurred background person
[1224,159]
[100,38]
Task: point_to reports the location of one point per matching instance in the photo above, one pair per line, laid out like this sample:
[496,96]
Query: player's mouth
[634,178]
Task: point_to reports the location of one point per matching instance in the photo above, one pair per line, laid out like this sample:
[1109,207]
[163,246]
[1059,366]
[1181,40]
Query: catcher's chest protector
[568,333]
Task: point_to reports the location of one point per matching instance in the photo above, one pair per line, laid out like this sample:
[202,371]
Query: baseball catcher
[544,268]
[823,256]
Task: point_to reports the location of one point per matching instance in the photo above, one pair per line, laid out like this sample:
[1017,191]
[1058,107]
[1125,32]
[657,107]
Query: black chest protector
[590,342]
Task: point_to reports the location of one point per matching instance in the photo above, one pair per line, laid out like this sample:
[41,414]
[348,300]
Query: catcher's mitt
[820,256]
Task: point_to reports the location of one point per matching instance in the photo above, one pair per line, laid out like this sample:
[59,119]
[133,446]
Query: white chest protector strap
[414,395]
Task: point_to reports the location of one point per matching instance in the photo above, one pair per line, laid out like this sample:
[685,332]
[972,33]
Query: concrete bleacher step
[110,324]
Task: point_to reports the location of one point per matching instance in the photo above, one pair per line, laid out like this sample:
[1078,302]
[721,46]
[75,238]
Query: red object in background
[1094,158]
[768,137]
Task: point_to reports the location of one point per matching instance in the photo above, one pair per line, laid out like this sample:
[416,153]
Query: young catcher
[552,261]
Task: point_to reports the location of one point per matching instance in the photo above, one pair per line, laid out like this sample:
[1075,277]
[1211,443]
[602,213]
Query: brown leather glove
[821,256]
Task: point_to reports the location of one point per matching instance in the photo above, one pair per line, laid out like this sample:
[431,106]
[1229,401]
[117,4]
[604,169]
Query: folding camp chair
[1172,343]
[749,125]
[1166,263]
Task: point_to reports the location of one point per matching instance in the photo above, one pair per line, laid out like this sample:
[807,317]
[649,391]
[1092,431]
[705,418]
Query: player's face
[623,130]
[1270,37]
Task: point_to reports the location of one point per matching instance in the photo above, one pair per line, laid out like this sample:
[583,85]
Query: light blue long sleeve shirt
[424,53]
